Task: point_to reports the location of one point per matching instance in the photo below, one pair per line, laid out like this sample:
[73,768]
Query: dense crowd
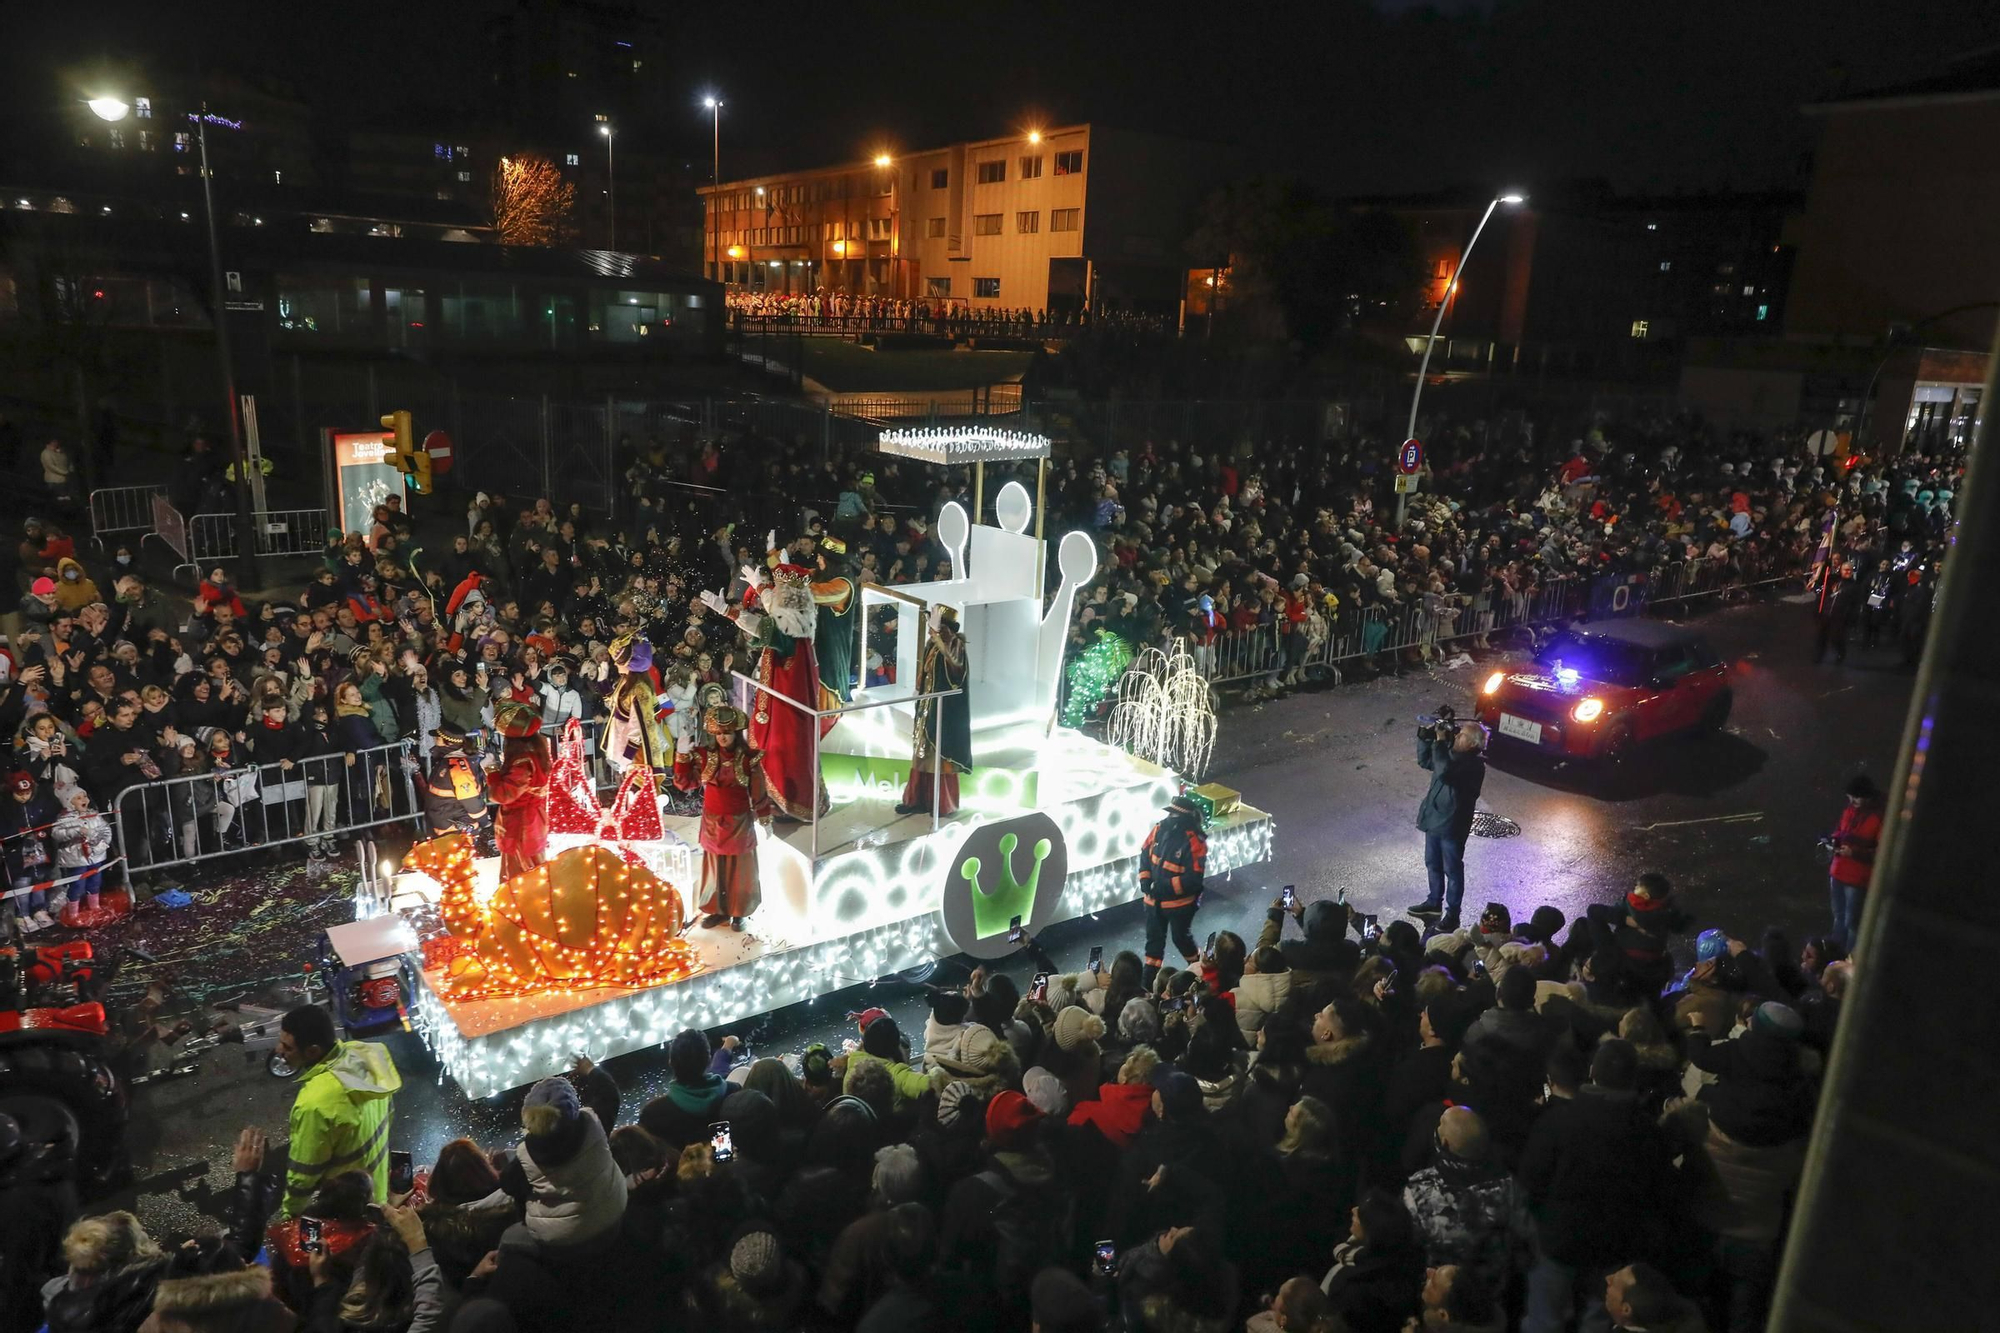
[938,316]
[1325,1128]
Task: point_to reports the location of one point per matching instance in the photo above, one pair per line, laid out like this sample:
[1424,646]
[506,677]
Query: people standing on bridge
[1453,755]
[1171,864]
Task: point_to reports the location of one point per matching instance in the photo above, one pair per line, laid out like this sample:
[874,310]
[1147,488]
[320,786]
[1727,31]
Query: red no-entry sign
[1410,458]
[438,445]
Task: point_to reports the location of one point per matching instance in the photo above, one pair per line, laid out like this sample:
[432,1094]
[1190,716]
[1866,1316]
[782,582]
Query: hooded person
[730,776]
[520,788]
[74,588]
[571,1191]
[1324,957]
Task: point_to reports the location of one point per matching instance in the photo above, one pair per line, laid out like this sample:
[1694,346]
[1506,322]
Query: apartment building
[1045,219]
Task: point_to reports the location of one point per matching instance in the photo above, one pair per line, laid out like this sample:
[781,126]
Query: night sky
[1360,97]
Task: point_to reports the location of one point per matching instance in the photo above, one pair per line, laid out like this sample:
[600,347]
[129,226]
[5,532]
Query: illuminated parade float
[590,950]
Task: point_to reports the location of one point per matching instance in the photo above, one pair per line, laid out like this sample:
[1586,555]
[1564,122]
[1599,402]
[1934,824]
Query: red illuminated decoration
[580,921]
[572,800]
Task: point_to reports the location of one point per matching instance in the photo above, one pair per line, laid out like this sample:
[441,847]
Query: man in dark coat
[1326,956]
[1451,752]
[1601,1187]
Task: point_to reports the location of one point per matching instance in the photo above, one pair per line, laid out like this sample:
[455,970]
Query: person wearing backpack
[454,784]
[1006,1223]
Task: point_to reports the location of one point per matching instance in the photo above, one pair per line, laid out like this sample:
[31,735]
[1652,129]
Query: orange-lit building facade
[1050,219]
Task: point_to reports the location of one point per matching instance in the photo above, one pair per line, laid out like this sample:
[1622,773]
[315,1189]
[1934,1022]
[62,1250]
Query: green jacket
[909,1083]
[340,1120]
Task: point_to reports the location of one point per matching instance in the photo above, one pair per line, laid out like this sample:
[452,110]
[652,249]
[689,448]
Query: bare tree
[532,203]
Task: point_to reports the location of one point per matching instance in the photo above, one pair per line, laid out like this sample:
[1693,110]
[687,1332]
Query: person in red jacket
[1121,1109]
[520,787]
[1855,834]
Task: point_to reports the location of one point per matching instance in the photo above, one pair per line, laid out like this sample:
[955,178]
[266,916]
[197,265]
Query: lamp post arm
[1423,367]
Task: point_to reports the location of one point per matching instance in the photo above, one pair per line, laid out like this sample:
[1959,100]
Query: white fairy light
[963,444]
[1166,713]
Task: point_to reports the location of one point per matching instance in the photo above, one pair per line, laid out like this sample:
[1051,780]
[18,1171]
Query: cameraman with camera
[1451,751]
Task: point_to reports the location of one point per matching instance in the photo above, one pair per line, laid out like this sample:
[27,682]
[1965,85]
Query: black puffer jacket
[1761,1096]
[117,1303]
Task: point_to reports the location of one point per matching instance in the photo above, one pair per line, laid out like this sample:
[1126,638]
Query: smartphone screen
[309,1235]
[1014,932]
[1291,896]
[721,1140]
[1041,987]
[402,1172]
[1096,958]
[1210,948]
[1107,1258]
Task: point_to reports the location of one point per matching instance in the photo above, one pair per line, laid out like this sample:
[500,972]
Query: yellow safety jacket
[340,1121]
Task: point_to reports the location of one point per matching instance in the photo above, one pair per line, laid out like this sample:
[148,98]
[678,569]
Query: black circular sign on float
[1015,867]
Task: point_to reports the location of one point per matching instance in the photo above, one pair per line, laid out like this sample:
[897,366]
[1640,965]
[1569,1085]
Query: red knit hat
[1010,1118]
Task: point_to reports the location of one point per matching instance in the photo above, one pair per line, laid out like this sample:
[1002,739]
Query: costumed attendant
[731,778]
[780,633]
[520,788]
[455,795]
[942,667]
[839,605]
[634,734]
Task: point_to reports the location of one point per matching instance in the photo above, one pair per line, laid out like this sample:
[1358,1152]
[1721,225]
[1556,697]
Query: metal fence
[1438,620]
[280,532]
[169,527]
[183,821]
[116,509]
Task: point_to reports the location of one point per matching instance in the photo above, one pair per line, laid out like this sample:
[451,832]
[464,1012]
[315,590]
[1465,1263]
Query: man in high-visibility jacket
[1170,869]
[340,1119]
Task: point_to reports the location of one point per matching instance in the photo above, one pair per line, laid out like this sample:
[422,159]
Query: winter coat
[1258,996]
[115,1303]
[1119,1113]
[238,1302]
[1758,1184]
[74,589]
[1325,956]
[575,1191]
[1374,1289]
[1456,777]
[1596,1167]
[24,833]
[1470,1214]
[81,839]
[340,1120]
[1761,1096]
[1346,1075]
[909,1084]
[682,1114]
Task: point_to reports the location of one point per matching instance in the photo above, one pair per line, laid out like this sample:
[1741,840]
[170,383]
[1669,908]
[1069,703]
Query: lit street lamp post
[249,569]
[611,181]
[714,105]
[1423,367]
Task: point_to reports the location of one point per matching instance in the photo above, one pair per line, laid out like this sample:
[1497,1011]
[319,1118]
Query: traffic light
[401,441]
[422,473]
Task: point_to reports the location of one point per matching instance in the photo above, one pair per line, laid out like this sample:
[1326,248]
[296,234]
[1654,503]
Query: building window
[1638,328]
[569,159]
[1028,223]
[181,141]
[992,173]
[277,178]
[1750,290]
[937,286]
[1652,226]
[117,137]
[1065,219]
[1070,163]
[1763,312]
[147,143]
[934,227]
[1031,167]
[986,286]
[940,178]
[142,107]
[1666,266]
[878,229]
[985,224]
[1726,270]
[441,151]
[465,175]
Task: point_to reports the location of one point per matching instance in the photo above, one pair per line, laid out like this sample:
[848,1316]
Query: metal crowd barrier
[169,526]
[280,532]
[200,817]
[121,509]
[1435,621]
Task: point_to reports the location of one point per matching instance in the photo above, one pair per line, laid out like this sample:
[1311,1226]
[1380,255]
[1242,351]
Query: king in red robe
[780,634]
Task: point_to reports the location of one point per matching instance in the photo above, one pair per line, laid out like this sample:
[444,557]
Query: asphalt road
[1731,819]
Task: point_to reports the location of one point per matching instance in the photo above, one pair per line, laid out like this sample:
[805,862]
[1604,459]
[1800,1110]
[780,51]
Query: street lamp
[1034,136]
[1423,367]
[884,162]
[115,109]
[714,105]
[611,179]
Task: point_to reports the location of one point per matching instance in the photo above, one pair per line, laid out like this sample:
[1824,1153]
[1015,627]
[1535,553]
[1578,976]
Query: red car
[1598,690]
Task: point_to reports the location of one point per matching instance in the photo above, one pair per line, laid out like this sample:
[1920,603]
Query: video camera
[1433,725]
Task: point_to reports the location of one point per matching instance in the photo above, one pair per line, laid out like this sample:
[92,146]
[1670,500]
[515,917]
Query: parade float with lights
[589,952]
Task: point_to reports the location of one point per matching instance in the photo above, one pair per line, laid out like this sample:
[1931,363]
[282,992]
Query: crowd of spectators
[1324,1128]
[941,317]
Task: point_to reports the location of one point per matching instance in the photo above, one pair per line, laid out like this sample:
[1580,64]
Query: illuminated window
[1666,266]
[992,173]
[1638,328]
[1031,167]
[569,159]
[180,141]
[985,224]
[117,137]
[441,151]
[147,143]
[1065,219]
[1750,290]
[1763,312]
[142,107]
[937,287]
[277,178]
[934,227]
[1070,163]
[1028,223]
[940,178]
[986,286]
[1652,226]
[460,150]
[465,175]
[635,65]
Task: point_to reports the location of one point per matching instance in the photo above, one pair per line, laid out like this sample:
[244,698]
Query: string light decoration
[963,444]
[635,810]
[1166,713]
[1093,676]
[581,921]
[572,799]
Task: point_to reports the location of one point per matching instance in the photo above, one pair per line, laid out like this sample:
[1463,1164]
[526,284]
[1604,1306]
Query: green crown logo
[993,911]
